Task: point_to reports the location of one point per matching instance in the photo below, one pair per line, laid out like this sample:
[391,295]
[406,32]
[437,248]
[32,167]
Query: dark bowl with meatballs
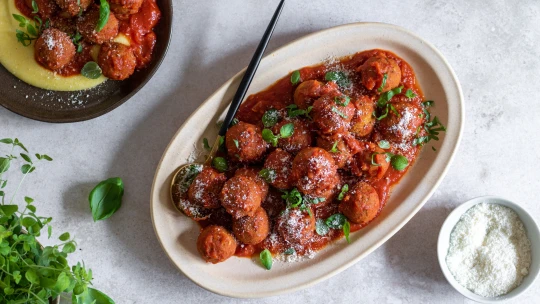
[91,55]
[319,167]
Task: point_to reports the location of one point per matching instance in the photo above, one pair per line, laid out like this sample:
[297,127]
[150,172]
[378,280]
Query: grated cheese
[489,251]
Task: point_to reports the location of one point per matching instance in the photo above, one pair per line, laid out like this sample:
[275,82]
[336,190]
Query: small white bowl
[532,233]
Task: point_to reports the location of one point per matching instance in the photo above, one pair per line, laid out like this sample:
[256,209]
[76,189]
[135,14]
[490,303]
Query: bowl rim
[444,239]
[460,122]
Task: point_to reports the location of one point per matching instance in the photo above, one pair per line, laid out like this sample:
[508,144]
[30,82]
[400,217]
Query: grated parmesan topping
[489,252]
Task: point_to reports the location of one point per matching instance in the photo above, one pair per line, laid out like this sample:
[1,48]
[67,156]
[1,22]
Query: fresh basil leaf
[295,77]
[335,110]
[321,228]
[289,251]
[384,144]
[347,231]
[344,191]
[334,147]
[383,83]
[428,103]
[106,198]
[399,162]
[336,221]
[206,145]
[236,143]
[91,70]
[268,175]
[35,7]
[287,130]
[269,137]
[343,100]
[410,93]
[220,164]
[4,164]
[104,12]
[338,77]
[270,118]
[266,259]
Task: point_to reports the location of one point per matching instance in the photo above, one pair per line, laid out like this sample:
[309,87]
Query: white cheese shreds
[489,251]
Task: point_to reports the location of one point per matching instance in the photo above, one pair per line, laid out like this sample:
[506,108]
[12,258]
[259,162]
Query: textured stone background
[493,46]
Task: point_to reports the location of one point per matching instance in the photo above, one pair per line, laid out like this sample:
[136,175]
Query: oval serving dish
[242,277]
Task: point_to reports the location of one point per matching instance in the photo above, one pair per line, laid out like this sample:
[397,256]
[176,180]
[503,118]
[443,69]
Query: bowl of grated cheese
[489,249]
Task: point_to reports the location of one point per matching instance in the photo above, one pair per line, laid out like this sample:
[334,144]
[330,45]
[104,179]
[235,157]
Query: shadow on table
[413,250]
[141,151]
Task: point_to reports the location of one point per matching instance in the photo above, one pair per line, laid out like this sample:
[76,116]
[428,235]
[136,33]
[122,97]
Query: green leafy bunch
[29,272]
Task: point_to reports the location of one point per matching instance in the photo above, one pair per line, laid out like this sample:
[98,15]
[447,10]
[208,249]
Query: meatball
[241,196]
[296,226]
[300,139]
[374,69]
[314,172]
[308,91]
[216,244]
[206,187]
[87,26]
[254,173]
[125,6]
[402,127]
[252,229]
[361,204]
[66,25]
[116,60]
[73,7]
[54,49]
[245,143]
[363,122]
[372,163]
[332,114]
[274,204]
[341,146]
[279,163]
[46,8]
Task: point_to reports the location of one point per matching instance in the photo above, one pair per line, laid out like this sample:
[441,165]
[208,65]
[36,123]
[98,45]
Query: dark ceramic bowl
[59,107]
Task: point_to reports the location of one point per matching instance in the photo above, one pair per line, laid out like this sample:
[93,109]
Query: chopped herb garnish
[321,228]
[334,147]
[383,83]
[236,143]
[268,175]
[205,144]
[266,259]
[220,164]
[335,110]
[428,103]
[289,251]
[104,12]
[432,126]
[338,77]
[343,191]
[35,8]
[295,77]
[410,93]
[347,231]
[399,162]
[294,111]
[342,100]
[387,96]
[77,40]
[91,70]
[270,118]
[336,221]
[292,198]
[384,144]
[234,122]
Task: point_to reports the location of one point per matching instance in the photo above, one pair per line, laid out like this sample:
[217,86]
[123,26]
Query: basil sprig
[104,12]
[336,221]
[339,77]
[384,103]
[343,191]
[294,199]
[106,198]
[285,131]
[432,127]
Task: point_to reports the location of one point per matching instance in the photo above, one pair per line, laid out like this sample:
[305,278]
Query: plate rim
[335,271]
[116,104]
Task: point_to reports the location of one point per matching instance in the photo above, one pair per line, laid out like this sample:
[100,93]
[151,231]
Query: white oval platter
[245,278]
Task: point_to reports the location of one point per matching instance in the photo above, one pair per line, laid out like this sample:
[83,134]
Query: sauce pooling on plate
[311,159]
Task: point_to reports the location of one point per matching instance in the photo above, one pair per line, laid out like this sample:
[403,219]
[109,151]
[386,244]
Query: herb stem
[20,183]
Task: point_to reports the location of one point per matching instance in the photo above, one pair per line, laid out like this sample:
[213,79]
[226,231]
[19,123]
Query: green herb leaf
[383,83]
[399,162]
[336,221]
[28,200]
[26,157]
[269,137]
[266,259]
[387,96]
[25,169]
[69,248]
[64,237]
[334,147]
[321,228]
[236,143]
[335,110]
[384,144]
[344,191]
[22,21]
[289,251]
[35,8]
[347,231]
[293,111]
[338,77]
[106,198]
[31,30]
[410,93]
[287,130]
[32,276]
[268,175]
[428,103]
[295,77]
[270,118]
[104,12]
[91,70]
[7,141]
[206,145]
[292,198]
[9,210]
[46,157]
[220,164]
[4,164]
[343,100]
[92,296]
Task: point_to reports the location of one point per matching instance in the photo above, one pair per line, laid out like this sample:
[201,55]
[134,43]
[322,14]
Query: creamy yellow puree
[19,59]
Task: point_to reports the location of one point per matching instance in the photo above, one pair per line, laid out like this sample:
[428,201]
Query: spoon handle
[251,70]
